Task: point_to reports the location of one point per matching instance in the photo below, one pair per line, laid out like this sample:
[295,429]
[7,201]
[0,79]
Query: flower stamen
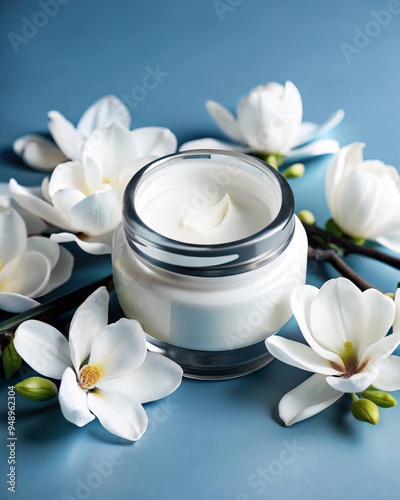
[89,376]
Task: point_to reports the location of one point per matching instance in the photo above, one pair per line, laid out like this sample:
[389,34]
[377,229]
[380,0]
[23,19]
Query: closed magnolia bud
[380,398]
[294,171]
[365,410]
[306,217]
[37,388]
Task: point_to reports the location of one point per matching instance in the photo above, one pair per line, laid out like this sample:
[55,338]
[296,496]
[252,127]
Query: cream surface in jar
[207,257]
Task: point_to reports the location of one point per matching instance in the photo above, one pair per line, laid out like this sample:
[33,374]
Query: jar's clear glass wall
[209,303]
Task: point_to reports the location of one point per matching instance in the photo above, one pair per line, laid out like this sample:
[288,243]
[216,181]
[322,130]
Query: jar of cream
[206,259]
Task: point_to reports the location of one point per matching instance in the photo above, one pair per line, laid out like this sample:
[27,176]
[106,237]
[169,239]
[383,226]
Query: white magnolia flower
[269,121]
[347,346]
[85,197]
[364,196]
[34,225]
[29,267]
[40,153]
[105,370]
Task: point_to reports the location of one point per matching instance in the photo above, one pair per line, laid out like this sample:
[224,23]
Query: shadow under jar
[206,258]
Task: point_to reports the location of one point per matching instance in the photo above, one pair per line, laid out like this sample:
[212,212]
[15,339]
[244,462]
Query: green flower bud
[37,388]
[380,398]
[275,160]
[357,241]
[294,171]
[11,359]
[332,228]
[306,217]
[365,410]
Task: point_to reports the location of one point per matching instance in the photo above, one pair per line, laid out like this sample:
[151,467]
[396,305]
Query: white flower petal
[390,241]
[31,276]
[36,205]
[299,355]
[38,152]
[64,200]
[301,302]
[46,247]
[396,322]
[356,383]
[225,120]
[94,215]
[119,348]
[66,136]
[154,141]
[73,400]
[119,415]
[61,272]
[209,143]
[90,317]
[381,311]
[92,245]
[110,149]
[43,347]
[155,378]
[344,159]
[376,353]
[389,375]
[311,131]
[338,315]
[316,148]
[68,175]
[107,110]
[307,399]
[15,303]
[13,237]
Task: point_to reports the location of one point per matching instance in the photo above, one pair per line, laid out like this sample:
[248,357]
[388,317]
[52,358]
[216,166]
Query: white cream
[212,204]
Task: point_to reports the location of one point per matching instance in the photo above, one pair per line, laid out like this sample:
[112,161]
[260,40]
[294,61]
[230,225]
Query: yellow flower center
[89,376]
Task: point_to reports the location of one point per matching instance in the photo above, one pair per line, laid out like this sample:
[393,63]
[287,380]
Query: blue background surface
[209,440]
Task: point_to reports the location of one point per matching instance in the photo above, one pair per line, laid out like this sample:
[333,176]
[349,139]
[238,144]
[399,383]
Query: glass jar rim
[220,259]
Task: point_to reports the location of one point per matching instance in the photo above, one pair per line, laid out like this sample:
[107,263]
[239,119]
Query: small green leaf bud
[37,388]
[294,171]
[306,217]
[365,410]
[380,398]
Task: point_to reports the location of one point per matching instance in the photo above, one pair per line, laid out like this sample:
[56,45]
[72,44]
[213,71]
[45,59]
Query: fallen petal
[307,399]
[38,152]
[16,303]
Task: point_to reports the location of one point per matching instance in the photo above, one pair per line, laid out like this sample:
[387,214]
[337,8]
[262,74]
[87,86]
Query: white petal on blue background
[356,383]
[311,131]
[43,348]
[93,245]
[69,139]
[389,375]
[307,399]
[16,303]
[38,152]
[225,120]
[107,110]
[299,355]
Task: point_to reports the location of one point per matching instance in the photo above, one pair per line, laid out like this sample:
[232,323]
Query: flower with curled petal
[84,197]
[42,154]
[105,370]
[348,349]
[29,267]
[269,121]
[364,196]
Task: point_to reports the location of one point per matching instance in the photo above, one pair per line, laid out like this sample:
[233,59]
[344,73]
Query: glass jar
[209,306]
